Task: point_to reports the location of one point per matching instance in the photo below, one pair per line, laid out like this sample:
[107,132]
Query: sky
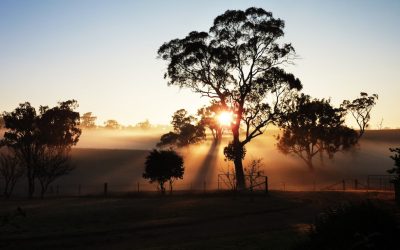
[104,53]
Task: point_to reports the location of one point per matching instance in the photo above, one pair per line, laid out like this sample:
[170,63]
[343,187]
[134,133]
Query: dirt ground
[180,221]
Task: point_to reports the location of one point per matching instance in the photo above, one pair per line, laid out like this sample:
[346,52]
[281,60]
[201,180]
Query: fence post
[314,186]
[138,187]
[266,184]
[105,188]
[356,184]
[204,186]
[79,189]
[218,183]
[344,185]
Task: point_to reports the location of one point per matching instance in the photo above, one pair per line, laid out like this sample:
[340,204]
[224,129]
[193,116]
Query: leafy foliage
[39,139]
[208,118]
[236,63]
[360,108]
[185,132]
[312,127]
[233,150]
[144,124]
[162,166]
[112,124]
[396,158]
[88,120]
[363,226]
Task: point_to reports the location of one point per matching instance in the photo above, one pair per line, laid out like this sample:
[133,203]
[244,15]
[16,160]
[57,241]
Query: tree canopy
[112,124]
[396,159]
[37,139]
[313,126]
[187,130]
[88,120]
[238,63]
[209,118]
[360,108]
[144,124]
[162,166]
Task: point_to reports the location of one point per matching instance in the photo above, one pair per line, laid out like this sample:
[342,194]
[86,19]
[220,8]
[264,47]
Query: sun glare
[225,118]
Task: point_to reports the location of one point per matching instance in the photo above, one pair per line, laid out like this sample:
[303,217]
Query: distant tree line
[88,121]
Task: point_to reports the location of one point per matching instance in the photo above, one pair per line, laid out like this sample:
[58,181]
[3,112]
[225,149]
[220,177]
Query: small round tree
[163,166]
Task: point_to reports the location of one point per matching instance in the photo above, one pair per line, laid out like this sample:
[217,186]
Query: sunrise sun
[225,118]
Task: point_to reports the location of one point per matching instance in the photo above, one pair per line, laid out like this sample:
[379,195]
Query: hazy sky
[103,53]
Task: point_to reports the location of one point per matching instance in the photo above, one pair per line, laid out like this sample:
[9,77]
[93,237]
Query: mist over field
[117,157]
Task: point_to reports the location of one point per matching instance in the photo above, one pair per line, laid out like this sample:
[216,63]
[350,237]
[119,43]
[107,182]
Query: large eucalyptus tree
[238,63]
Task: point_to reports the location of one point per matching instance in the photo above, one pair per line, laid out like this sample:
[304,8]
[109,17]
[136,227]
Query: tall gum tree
[238,63]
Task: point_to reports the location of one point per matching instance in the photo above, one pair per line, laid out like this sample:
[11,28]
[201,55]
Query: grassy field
[210,221]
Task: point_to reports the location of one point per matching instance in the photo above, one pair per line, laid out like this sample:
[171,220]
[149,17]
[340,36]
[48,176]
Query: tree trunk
[240,181]
[162,188]
[43,189]
[6,192]
[310,165]
[238,152]
[31,182]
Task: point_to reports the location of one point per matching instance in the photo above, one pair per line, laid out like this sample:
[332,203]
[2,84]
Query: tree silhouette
[11,171]
[253,172]
[112,124]
[312,127]
[236,63]
[185,132]
[144,124]
[88,120]
[163,166]
[208,119]
[51,163]
[396,159]
[31,136]
[360,108]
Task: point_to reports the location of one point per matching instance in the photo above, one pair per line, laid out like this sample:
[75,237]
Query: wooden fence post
[344,185]
[266,185]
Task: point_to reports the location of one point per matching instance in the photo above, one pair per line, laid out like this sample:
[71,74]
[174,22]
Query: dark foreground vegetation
[281,220]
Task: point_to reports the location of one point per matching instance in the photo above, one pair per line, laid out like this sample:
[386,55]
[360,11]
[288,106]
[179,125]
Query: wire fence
[224,182]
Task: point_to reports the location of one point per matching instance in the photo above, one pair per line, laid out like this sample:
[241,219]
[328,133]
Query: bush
[362,226]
